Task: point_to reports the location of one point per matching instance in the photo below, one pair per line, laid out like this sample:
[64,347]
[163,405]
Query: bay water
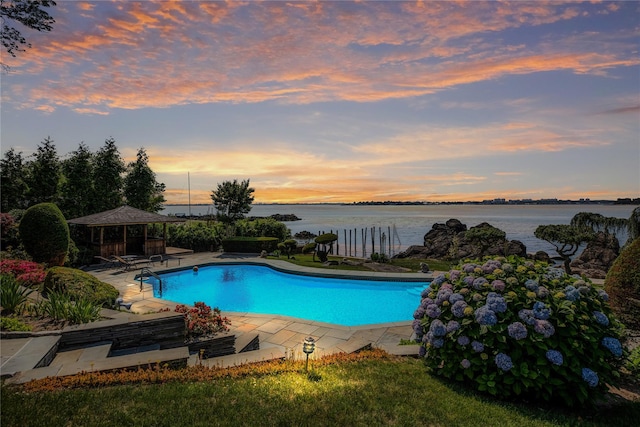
[406,225]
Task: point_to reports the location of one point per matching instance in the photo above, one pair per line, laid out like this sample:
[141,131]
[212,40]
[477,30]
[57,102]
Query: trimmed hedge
[250,244]
[45,234]
[326,239]
[80,285]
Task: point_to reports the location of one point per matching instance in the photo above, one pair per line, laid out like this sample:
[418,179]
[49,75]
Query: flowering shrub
[28,273]
[518,328]
[201,320]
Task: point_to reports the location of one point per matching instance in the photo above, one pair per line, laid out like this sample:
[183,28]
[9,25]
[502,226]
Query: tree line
[82,184]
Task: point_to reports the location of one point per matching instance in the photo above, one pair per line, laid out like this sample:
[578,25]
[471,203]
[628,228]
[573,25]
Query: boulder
[542,256]
[598,256]
[448,241]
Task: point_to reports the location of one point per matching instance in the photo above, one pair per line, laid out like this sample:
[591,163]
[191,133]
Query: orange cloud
[159,54]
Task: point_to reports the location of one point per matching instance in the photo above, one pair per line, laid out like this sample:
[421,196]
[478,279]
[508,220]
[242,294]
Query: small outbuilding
[125,231]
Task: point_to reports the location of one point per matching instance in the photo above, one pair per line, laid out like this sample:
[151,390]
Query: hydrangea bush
[515,328]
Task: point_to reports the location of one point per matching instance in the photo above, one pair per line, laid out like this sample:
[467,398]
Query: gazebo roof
[124,215]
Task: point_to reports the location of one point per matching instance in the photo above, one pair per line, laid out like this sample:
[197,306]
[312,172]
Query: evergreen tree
[108,168]
[13,184]
[232,200]
[141,190]
[45,174]
[77,187]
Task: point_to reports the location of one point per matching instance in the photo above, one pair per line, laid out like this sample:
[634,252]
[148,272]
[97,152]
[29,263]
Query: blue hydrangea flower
[613,345]
[553,273]
[601,318]
[454,275]
[452,326]
[486,316]
[590,377]
[456,297]
[458,308]
[468,268]
[555,357]
[443,295]
[437,342]
[503,362]
[604,296]
[527,317]
[540,311]
[572,294]
[419,313]
[422,352]
[498,285]
[433,311]
[425,302]
[544,327]
[496,302]
[469,280]
[542,292]
[517,331]
[465,364]
[479,282]
[439,280]
[531,284]
[417,327]
[463,340]
[477,346]
[437,328]
[425,292]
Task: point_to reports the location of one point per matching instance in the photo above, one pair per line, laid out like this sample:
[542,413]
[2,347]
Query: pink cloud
[159,54]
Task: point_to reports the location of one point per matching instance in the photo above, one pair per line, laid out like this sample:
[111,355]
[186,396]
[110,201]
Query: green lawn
[369,392]
[410,263]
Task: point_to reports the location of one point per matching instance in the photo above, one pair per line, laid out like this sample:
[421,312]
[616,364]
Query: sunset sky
[342,101]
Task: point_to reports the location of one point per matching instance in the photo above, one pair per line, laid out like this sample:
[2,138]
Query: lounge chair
[129,264]
[107,262]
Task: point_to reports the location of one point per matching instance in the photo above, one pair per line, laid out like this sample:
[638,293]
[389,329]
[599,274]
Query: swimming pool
[263,290]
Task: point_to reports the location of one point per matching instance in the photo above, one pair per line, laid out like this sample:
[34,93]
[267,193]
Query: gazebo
[112,237]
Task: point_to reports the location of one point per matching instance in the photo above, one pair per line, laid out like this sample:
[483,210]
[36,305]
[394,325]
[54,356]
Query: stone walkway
[281,333]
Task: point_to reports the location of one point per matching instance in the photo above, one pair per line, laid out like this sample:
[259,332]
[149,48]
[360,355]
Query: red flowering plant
[28,273]
[201,320]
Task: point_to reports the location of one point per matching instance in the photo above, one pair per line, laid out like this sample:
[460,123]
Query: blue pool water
[263,290]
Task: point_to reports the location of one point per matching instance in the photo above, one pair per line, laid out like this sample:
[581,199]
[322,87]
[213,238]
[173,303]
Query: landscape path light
[308,347]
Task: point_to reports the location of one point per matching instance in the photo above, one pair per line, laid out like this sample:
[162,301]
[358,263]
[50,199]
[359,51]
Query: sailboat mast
[189,189]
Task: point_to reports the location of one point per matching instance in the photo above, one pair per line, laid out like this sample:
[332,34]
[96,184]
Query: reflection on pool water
[263,290]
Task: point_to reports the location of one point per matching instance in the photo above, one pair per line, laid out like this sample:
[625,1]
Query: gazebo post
[146,245]
[125,240]
[164,238]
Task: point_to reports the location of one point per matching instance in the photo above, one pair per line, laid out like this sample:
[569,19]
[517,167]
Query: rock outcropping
[448,241]
[598,256]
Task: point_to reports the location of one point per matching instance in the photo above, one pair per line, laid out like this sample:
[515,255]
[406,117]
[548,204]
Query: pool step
[247,342]
[76,361]
[29,353]
[353,345]
[254,356]
[401,350]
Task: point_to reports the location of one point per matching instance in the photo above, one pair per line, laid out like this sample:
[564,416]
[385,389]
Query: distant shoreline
[494,202]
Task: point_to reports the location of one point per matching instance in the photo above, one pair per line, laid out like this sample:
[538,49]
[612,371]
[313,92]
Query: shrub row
[250,244]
